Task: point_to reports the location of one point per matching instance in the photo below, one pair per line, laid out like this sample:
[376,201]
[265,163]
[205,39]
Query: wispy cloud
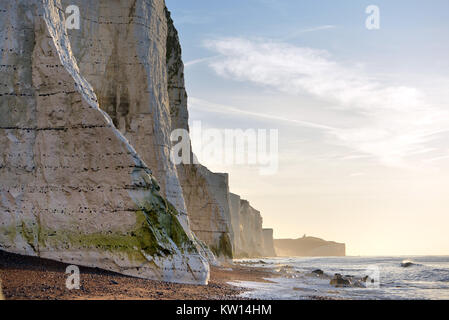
[297,33]
[325,27]
[396,121]
[208,106]
[198,61]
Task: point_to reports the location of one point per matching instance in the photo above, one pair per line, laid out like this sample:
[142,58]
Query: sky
[362,115]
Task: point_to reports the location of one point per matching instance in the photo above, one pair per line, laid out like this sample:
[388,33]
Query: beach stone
[407,264]
[339,281]
[318,272]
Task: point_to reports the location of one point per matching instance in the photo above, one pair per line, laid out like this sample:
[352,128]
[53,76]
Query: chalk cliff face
[248,240]
[133,62]
[121,49]
[207,198]
[251,221]
[268,243]
[309,247]
[73,188]
[237,227]
[206,194]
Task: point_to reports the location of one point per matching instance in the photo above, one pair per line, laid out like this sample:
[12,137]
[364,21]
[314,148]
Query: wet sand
[28,278]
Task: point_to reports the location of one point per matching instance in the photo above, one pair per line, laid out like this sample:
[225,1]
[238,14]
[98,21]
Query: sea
[391,278]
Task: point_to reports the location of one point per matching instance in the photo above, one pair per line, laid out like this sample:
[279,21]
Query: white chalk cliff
[78,184]
[249,239]
[85,123]
[206,193]
[268,243]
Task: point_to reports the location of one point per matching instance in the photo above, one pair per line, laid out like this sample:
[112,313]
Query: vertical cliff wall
[268,243]
[207,198]
[237,227]
[206,193]
[72,187]
[248,240]
[122,49]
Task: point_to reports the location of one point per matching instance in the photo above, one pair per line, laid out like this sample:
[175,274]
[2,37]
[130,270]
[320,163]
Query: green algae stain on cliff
[224,247]
[149,237]
[9,231]
[162,218]
[26,230]
[29,235]
[156,232]
[111,242]
[156,224]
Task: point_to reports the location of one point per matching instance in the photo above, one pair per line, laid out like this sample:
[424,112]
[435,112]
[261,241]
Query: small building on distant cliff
[308,247]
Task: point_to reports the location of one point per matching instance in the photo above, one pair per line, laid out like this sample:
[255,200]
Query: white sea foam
[426,278]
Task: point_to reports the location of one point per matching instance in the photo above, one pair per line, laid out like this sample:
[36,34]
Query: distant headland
[308,246]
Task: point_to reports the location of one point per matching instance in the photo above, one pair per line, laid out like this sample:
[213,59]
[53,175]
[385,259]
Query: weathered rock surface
[339,281]
[207,197]
[406,264]
[206,194]
[72,187]
[237,227]
[318,272]
[249,239]
[309,247]
[247,229]
[121,50]
[126,51]
[268,243]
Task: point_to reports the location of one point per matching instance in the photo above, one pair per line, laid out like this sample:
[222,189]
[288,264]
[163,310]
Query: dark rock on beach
[339,281]
[318,272]
[407,264]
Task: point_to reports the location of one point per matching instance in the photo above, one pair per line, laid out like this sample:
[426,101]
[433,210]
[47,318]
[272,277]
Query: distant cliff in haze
[308,247]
